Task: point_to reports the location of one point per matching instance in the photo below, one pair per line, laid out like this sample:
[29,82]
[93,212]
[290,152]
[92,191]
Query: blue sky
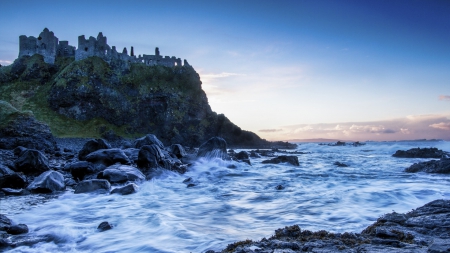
[355,70]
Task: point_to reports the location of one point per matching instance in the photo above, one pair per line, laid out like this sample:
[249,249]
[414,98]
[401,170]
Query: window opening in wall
[85,49]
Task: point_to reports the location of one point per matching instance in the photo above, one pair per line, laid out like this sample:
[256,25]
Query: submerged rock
[49,181]
[32,161]
[91,146]
[421,153]
[104,226]
[284,159]
[215,147]
[17,229]
[125,190]
[92,185]
[434,166]
[339,164]
[122,173]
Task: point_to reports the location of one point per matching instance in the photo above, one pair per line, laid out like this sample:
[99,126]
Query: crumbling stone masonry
[48,46]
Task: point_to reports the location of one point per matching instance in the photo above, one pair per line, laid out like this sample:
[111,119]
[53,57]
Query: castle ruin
[48,45]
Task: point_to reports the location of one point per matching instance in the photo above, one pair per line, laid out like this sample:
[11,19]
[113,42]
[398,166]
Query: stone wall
[48,46]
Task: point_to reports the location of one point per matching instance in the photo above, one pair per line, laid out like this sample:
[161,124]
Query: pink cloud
[442,126]
[444,98]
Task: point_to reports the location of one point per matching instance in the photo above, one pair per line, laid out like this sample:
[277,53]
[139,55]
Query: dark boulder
[122,173]
[421,153]
[132,154]
[108,157]
[91,146]
[11,179]
[19,150]
[149,139]
[13,192]
[17,229]
[79,170]
[284,159]
[441,166]
[125,190]
[22,129]
[93,185]
[49,181]
[177,150]
[279,187]
[31,161]
[149,156]
[5,222]
[339,164]
[243,157]
[104,226]
[215,147]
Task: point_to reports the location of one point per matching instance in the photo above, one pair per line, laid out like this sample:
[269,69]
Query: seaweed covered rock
[22,129]
[421,153]
[441,166]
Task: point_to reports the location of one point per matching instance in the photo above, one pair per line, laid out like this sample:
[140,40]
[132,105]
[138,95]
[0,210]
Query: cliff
[91,98]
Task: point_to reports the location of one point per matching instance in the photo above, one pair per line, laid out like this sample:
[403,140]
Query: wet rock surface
[421,153]
[47,182]
[425,229]
[93,185]
[434,166]
[214,147]
[283,159]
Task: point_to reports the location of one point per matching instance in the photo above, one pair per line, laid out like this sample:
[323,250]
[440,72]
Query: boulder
[49,181]
[19,150]
[108,157]
[31,161]
[22,129]
[91,146]
[104,226]
[215,147]
[177,150]
[93,185]
[284,159]
[149,139]
[11,179]
[421,153]
[122,173]
[79,170]
[243,157]
[149,156]
[17,229]
[441,166]
[5,222]
[339,164]
[125,190]
[132,154]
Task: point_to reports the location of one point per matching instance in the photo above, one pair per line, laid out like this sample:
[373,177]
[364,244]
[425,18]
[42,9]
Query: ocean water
[232,204]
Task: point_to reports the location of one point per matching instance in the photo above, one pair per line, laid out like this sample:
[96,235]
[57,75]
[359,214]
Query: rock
[5,222]
[22,129]
[100,185]
[279,187]
[284,159]
[421,153]
[108,157]
[149,156]
[441,166]
[11,179]
[17,229]
[104,226]
[253,154]
[243,157]
[69,182]
[13,192]
[122,173]
[49,181]
[91,146]
[177,150]
[339,164]
[19,150]
[190,185]
[125,190]
[79,170]
[132,154]
[215,147]
[31,161]
[149,139]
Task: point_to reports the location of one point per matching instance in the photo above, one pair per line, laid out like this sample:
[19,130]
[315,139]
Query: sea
[234,201]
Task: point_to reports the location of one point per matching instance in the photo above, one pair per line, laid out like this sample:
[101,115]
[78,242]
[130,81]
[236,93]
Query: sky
[335,69]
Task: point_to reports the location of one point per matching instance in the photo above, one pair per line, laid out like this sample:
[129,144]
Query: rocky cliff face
[90,97]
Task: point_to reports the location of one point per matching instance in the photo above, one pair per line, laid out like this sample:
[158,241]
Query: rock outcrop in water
[441,166]
[421,153]
[425,229]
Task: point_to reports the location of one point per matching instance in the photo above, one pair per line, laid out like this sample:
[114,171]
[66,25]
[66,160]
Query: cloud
[270,130]
[220,75]
[441,125]
[5,62]
[376,129]
[444,98]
